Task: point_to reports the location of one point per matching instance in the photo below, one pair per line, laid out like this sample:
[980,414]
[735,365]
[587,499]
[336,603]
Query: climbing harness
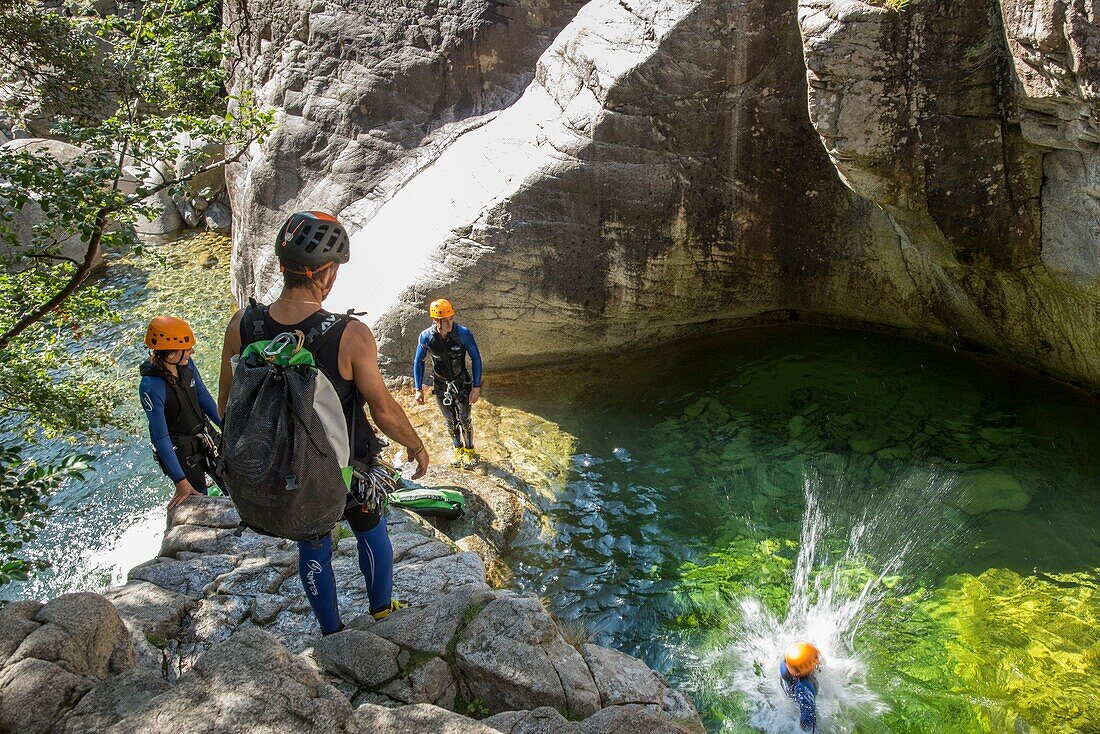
[451,394]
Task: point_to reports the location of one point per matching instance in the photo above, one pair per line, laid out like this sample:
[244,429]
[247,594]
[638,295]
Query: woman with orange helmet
[800,662]
[179,408]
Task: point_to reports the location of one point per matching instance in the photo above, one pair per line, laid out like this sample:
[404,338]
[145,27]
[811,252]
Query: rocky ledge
[215,635]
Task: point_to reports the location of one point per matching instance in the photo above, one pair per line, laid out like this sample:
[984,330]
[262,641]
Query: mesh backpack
[285,449]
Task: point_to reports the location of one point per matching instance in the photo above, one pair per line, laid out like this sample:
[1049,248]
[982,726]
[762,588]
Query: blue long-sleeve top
[448,355]
[153,391]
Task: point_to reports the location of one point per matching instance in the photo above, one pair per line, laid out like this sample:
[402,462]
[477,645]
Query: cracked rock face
[55,653]
[361,90]
[975,133]
[1054,46]
[668,167]
[512,657]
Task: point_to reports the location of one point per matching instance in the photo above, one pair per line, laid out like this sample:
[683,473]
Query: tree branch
[51,256]
[74,282]
[146,193]
[85,267]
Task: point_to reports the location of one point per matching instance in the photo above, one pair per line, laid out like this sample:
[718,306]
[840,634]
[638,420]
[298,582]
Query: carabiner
[276,346]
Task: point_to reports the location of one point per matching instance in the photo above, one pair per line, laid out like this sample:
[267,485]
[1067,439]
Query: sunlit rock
[622,679]
[543,720]
[370,718]
[513,657]
[366,95]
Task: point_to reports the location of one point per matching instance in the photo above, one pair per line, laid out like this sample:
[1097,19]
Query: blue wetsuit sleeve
[206,401]
[152,392]
[467,338]
[805,695]
[418,361]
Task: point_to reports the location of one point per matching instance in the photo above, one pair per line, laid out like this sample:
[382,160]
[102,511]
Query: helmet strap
[307,272]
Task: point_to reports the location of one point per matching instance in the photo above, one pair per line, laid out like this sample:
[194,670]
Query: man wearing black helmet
[311,246]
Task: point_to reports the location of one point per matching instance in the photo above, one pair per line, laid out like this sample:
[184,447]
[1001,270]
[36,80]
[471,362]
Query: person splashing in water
[800,662]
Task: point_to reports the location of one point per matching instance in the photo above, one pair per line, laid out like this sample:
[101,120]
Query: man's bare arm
[362,352]
[231,347]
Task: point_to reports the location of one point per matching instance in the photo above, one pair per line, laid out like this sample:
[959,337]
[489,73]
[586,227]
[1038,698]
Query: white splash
[829,610]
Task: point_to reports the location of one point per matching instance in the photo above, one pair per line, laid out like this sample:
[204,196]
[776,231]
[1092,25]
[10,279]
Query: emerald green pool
[950,564]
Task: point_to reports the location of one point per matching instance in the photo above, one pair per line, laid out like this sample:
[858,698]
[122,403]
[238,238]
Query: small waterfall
[853,557]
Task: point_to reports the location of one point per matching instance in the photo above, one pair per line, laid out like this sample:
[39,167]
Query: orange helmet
[441,308]
[802,658]
[169,333]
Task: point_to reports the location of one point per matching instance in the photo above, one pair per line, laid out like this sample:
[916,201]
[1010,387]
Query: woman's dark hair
[160,358]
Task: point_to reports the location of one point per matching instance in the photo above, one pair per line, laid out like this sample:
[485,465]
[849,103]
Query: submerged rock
[986,490]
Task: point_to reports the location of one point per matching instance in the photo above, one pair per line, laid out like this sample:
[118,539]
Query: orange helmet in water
[441,308]
[802,658]
[169,333]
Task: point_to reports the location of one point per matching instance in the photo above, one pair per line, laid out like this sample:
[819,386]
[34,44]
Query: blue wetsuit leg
[376,563]
[319,582]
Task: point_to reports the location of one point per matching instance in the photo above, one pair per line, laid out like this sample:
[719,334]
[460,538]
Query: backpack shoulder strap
[252,322]
[321,327]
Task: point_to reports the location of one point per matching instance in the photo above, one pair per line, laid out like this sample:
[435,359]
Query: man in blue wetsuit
[179,409]
[455,389]
[797,669]
[311,246]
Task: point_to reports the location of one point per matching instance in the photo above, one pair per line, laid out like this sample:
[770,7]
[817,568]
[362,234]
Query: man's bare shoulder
[358,339]
[233,328]
[357,330]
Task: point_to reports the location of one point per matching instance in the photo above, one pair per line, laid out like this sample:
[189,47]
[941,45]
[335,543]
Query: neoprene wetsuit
[372,540]
[178,409]
[804,692]
[451,380]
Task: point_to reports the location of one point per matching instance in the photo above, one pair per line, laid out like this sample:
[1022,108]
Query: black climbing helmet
[309,242]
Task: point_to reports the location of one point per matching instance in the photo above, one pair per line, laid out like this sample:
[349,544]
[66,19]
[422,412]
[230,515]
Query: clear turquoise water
[686,495]
[115,519]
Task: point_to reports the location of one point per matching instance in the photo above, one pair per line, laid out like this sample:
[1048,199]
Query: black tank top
[324,330]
